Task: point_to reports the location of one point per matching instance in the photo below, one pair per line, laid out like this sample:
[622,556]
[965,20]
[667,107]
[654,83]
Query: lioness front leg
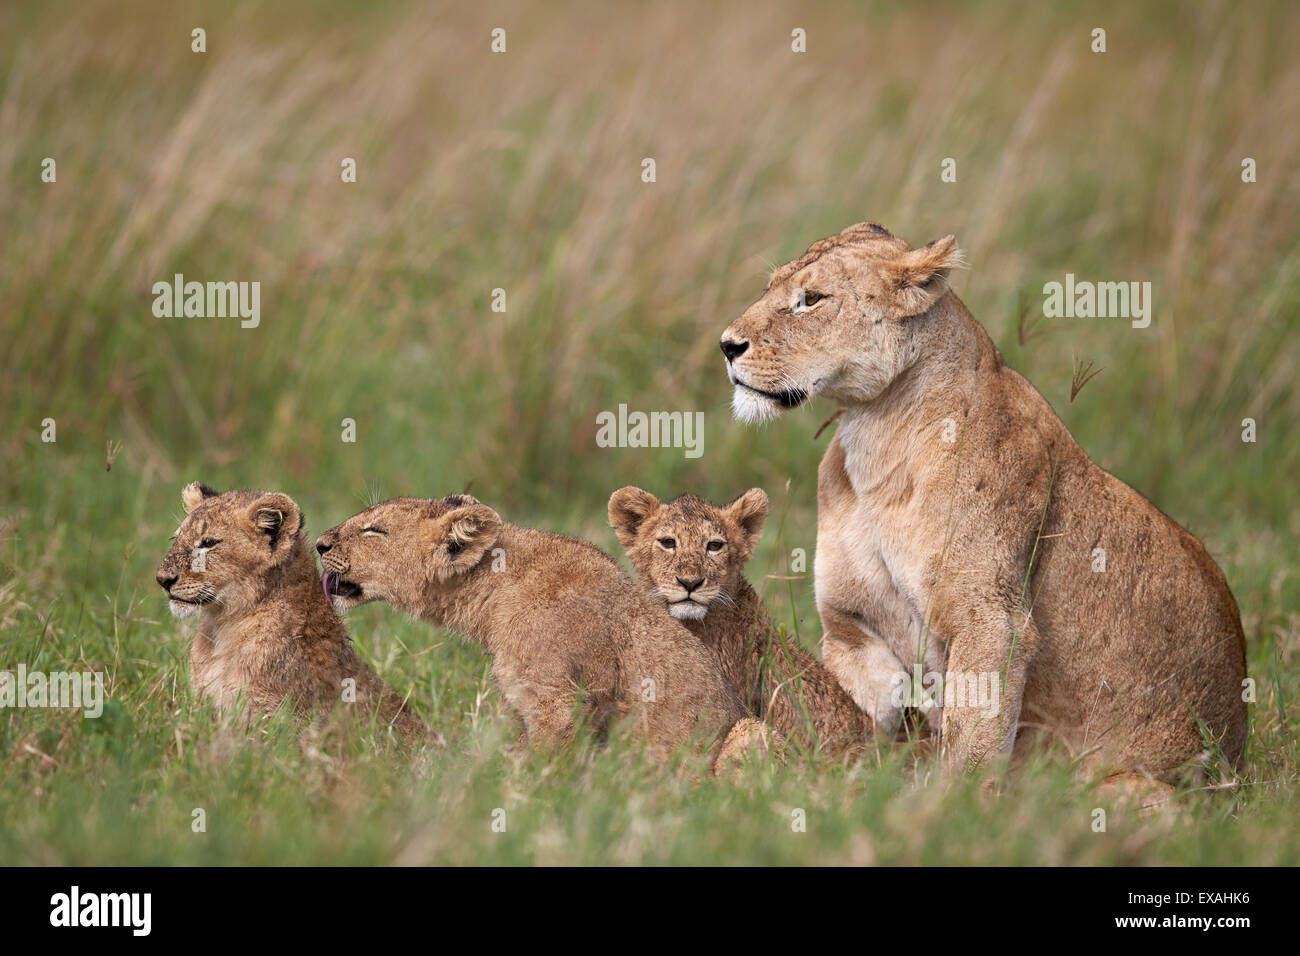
[984,686]
[865,667]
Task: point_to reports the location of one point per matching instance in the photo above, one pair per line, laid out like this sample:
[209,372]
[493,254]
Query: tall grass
[522,172]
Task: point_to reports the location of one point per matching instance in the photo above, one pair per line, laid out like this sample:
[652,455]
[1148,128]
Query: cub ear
[866,229]
[459,539]
[194,493]
[749,511]
[628,509]
[918,278]
[461,499]
[277,516]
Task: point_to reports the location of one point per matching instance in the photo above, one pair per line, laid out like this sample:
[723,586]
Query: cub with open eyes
[560,619]
[690,554]
[241,563]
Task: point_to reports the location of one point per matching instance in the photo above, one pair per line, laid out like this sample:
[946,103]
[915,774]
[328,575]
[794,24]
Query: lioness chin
[963,534]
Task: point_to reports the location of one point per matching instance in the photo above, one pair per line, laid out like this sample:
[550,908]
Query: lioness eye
[209,543]
[812,298]
[668,543]
[373,530]
[714,545]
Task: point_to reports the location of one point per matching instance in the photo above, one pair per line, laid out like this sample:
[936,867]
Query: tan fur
[749,738]
[976,555]
[690,542]
[267,630]
[569,634]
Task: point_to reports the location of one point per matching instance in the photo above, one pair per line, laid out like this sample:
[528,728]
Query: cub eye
[209,543]
[714,546]
[373,530]
[668,543]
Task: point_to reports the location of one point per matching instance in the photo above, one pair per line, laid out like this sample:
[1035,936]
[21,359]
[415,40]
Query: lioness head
[688,552]
[227,548]
[835,321]
[392,550]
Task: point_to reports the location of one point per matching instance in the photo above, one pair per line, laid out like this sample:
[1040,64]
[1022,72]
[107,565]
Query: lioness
[962,531]
[568,632]
[268,631]
[690,555]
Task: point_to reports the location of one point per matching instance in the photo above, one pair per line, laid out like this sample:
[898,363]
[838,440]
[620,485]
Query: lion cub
[689,554]
[568,632]
[240,561]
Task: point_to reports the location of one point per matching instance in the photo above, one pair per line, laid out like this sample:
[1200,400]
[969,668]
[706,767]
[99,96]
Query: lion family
[957,527]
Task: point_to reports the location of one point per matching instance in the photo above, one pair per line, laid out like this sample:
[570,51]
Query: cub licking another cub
[570,636]
[241,563]
[690,554]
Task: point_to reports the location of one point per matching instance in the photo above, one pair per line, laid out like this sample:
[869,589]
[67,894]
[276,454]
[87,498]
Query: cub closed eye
[373,530]
[209,543]
[714,546]
[668,543]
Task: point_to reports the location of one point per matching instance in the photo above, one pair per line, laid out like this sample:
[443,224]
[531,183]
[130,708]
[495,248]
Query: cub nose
[690,585]
[166,582]
[322,546]
[733,349]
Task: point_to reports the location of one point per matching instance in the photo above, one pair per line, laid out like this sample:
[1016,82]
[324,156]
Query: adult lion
[961,531]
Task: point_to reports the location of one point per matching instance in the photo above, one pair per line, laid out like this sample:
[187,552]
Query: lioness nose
[166,582]
[322,546]
[690,585]
[733,349]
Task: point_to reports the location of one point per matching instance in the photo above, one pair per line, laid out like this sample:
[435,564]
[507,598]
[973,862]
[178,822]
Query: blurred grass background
[521,171]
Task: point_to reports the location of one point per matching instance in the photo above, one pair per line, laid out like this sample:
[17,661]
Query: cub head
[835,321]
[227,551]
[392,551]
[689,553]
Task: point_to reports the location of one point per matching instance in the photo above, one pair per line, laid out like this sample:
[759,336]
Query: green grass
[522,172]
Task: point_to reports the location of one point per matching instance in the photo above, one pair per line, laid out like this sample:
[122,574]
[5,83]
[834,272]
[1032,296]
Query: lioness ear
[628,509]
[460,538]
[917,279]
[750,511]
[277,516]
[194,493]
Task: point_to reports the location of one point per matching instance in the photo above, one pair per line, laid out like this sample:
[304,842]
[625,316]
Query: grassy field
[522,171]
